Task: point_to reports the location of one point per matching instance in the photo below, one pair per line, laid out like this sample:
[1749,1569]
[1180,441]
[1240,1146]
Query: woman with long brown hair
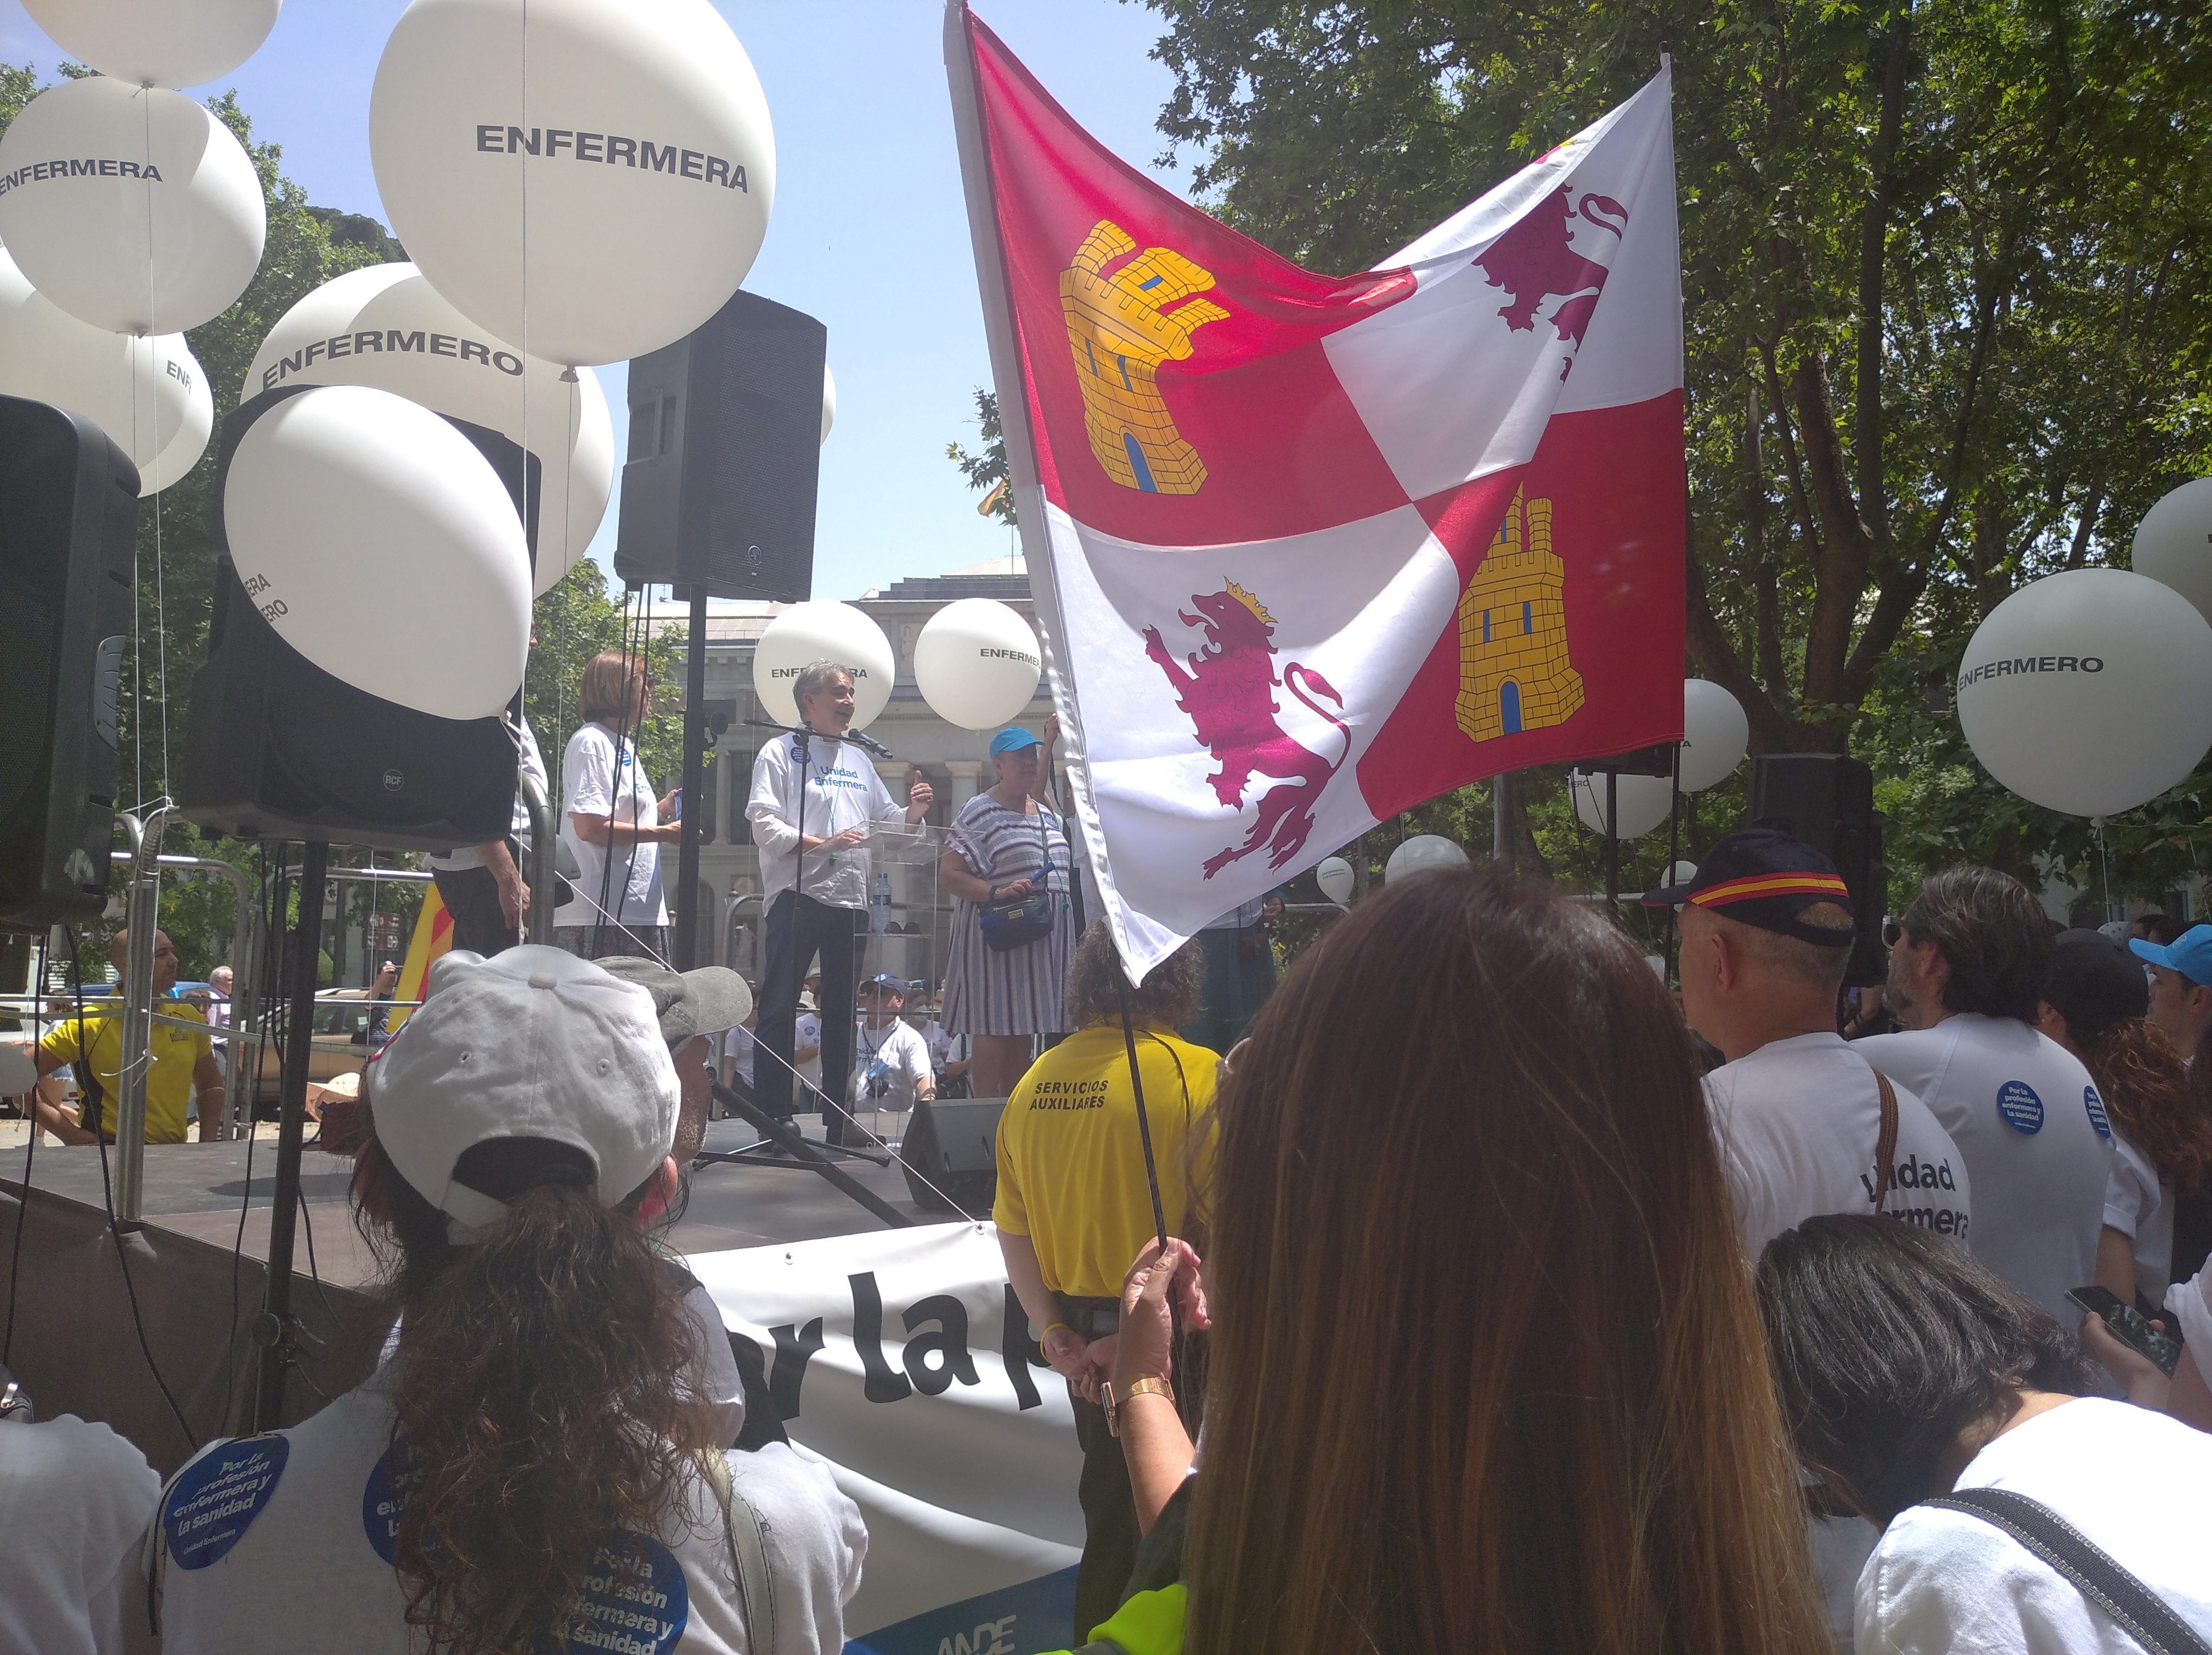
[2095,1003]
[1485,1373]
[535,1463]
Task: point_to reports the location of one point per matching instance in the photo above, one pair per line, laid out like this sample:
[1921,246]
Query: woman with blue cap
[1007,867]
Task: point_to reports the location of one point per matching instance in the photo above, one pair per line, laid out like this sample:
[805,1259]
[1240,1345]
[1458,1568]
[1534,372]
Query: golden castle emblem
[1514,673]
[1119,335]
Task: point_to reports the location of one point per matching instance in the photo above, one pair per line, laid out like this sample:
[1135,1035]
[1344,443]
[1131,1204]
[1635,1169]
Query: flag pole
[1008,380]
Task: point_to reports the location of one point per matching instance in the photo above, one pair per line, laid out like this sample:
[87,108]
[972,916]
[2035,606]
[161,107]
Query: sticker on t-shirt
[633,1601]
[2095,1106]
[390,1480]
[215,1499]
[2021,1109]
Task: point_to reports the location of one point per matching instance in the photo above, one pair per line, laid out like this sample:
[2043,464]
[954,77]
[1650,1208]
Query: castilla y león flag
[1309,550]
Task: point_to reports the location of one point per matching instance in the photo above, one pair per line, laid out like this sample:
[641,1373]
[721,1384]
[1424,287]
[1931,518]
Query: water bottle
[880,905]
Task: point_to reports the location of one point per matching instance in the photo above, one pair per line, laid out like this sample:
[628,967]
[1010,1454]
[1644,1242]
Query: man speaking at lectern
[816,798]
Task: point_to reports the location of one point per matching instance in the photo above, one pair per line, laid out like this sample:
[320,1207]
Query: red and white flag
[1309,550]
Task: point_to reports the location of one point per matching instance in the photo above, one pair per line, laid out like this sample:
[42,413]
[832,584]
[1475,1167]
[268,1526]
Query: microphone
[866,743]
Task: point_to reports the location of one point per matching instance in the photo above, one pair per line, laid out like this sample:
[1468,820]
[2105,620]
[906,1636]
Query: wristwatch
[1149,1385]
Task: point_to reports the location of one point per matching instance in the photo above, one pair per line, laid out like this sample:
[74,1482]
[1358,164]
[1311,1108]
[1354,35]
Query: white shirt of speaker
[168,43]
[2089,691]
[133,208]
[385,326]
[820,631]
[976,663]
[380,546]
[1644,801]
[593,185]
[147,394]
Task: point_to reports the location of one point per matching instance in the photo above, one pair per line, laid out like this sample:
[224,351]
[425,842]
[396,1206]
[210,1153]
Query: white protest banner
[902,1358]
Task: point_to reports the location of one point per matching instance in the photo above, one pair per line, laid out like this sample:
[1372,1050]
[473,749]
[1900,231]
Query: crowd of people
[1469,1288]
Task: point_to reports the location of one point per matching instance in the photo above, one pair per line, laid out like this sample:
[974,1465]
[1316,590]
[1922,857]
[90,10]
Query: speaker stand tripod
[275,1330]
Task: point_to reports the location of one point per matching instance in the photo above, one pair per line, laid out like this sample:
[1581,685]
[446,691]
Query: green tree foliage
[1940,270]
[987,470]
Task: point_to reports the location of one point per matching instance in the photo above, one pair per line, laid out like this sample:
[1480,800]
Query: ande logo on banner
[215,1499]
[2021,1109]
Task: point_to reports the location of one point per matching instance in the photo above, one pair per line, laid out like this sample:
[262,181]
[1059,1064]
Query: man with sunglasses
[1966,972]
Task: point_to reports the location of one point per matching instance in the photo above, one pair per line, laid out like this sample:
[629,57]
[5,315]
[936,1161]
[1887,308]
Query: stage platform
[74,1343]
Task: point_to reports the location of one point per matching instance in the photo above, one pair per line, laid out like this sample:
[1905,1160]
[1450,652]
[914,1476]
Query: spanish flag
[990,502]
[433,934]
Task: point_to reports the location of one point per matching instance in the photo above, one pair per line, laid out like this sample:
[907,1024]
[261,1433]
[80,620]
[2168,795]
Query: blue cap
[886,980]
[1012,739]
[2189,953]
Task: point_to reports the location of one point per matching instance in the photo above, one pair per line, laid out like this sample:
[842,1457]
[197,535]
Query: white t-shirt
[738,1046]
[75,1499]
[532,764]
[282,1543]
[948,1048]
[887,1065]
[595,777]
[1797,1122]
[2023,1113]
[805,1032]
[842,791]
[2137,1484]
[2140,1205]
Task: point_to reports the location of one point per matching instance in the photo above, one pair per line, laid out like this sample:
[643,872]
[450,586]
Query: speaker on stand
[950,1155]
[1828,800]
[718,497]
[69,526]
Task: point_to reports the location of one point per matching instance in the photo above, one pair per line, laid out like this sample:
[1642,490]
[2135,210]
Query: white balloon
[643,139]
[343,507]
[820,631]
[1644,801]
[1714,733]
[2173,543]
[976,663]
[1424,852]
[2089,691]
[157,42]
[162,246]
[1336,879]
[149,395]
[385,326]
[1682,873]
[829,402]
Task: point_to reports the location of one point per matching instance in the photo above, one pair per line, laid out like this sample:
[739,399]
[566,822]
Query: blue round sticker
[2021,1109]
[390,1480]
[215,1499]
[633,1600]
[2095,1106]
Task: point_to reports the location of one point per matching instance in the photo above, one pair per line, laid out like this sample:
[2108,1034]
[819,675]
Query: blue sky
[868,201]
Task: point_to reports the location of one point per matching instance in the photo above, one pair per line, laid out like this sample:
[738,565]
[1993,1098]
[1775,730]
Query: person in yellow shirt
[182,1065]
[1073,1208]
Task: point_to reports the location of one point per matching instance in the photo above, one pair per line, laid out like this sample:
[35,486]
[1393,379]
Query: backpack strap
[1884,1147]
[2140,1612]
[749,1555]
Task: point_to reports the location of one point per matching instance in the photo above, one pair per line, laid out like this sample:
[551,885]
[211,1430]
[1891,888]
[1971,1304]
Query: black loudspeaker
[1828,800]
[69,521]
[277,748]
[954,1144]
[725,444]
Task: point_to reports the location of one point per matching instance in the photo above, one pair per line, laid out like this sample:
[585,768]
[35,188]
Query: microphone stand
[866,743]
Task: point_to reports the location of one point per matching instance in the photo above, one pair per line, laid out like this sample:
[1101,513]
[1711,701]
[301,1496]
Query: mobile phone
[2129,1326]
[676,805]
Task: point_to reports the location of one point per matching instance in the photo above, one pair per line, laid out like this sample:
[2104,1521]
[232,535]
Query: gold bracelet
[1150,1385]
[1048,1333]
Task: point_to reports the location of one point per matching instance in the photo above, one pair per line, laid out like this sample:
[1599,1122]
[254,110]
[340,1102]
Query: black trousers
[796,929]
[471,897]
[1109,1519]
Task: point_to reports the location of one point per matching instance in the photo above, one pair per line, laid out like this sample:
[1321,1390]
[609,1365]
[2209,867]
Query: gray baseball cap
[702,1001]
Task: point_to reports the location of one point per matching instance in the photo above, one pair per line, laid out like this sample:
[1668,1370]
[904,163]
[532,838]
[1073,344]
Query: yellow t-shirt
[1071,1164]
[168,1078]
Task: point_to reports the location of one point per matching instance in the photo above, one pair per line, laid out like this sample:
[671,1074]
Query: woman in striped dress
[1001,842]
